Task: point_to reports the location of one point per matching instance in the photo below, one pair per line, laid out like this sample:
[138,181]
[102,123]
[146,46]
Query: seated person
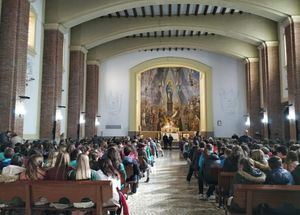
[61,168]
[246,174]
[8,153]
[11,172]
[291,161]
[278,175]
[259,160]
[83,170]
[107,171]
[231,162]
[34,169]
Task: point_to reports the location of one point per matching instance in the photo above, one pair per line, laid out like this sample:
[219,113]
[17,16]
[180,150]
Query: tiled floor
[168,192]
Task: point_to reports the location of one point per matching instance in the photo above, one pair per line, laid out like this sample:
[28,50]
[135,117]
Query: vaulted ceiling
[231,27]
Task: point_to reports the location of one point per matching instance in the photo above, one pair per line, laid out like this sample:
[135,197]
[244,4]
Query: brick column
[13,61]
[292,35]
[51,80]
[92,80]
[253,94]
[76,91]
[269,57]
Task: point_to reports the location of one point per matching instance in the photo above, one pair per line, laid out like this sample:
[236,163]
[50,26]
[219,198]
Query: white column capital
[56,26]
[79,48]
[93,62]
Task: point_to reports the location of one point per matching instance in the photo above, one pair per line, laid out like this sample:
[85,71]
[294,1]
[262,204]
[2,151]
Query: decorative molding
[262,46]
[56,26]
[79,48]
[266,44]
[296,19]
[271,43]
[286,22]
[93,62]
[251,60]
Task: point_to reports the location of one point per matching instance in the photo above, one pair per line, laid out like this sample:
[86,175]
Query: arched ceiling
[212,43]
[231,27]
[245,27]
[73,12]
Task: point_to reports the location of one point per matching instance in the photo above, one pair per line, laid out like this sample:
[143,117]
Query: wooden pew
[225,181]
[97,191]
[15,189]
[30,192]
[249,197]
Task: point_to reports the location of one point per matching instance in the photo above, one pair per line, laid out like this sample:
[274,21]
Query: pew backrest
[30,192]
[225,181]
[251,196]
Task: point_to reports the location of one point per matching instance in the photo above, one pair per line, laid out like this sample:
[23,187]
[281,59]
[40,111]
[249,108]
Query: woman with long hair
[34,169]
[231,163]
[107,171]
[83,170]
[61,168]
[114,155]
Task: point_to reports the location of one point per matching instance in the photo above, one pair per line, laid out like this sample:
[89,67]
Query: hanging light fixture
[292,114]
[265,119]
[20,109]
[58,115]
[247,123]
[82,118]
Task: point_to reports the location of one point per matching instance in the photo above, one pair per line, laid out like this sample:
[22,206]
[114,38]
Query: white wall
[229,96]
[34,71]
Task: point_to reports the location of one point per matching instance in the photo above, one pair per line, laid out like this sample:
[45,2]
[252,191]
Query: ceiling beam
[215,10]
[152,10]
[126,13]
[197,10]
[205,9]
[134,12]
[187,10]
[161,10]
[178,9]
[143,11]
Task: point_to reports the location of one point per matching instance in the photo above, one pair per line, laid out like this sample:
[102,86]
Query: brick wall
[75,98]
[292,33]
[253,95]
[269,55]
[13,61]
[91,99]
[51,81]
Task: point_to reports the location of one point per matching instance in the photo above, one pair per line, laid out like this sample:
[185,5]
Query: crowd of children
[87,159]
[254,161]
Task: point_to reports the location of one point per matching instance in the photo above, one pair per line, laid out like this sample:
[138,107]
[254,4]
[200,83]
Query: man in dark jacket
[170,141]
[166,141]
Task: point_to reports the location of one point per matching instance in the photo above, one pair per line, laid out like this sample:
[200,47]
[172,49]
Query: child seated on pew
[246,174]
[278,175]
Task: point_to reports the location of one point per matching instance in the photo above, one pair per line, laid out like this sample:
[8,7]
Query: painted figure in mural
[169,91]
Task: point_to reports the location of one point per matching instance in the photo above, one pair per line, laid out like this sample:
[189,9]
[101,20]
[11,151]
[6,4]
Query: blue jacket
[279,176]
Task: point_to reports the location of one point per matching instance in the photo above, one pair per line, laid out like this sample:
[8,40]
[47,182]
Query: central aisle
[168,192]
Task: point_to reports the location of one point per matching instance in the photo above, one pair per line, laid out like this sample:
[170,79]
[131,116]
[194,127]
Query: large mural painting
[170,97]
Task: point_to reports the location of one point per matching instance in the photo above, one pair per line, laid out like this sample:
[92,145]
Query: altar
[176,136]
[169,129]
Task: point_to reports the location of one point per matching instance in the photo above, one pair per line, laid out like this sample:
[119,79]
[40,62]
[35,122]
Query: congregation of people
[253,161]
[124,161]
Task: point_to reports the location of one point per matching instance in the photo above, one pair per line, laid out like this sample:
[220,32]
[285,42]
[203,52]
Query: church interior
[149,107]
